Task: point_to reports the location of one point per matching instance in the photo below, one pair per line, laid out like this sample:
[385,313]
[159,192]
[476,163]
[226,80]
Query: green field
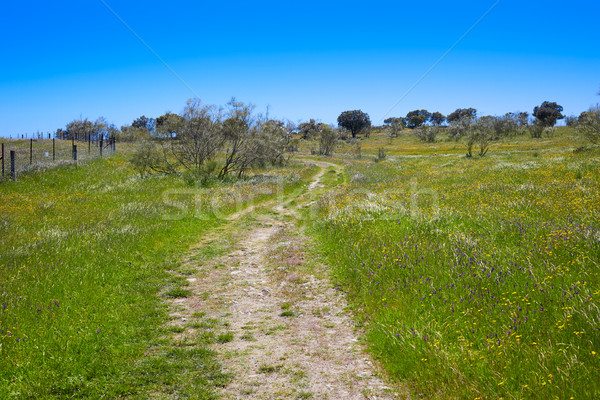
[474,278]
[471,277]
[86,255]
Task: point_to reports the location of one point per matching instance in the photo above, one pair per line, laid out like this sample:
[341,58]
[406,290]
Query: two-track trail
[285,332]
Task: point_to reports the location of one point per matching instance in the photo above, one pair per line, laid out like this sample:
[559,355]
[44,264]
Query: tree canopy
[468,114]
[144,123]
[437,118]
[355,121]
[548,113]
[416,118]
[309,130]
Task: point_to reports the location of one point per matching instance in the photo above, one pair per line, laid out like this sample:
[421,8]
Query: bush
[589,124]
[327,140]
[427,133]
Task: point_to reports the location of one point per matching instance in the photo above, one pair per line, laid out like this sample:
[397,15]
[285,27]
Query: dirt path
[285,332]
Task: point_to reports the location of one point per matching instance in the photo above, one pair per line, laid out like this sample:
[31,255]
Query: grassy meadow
[86,255]
[38,155]
[474,277]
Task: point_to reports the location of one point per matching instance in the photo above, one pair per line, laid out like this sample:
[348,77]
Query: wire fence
[22,156]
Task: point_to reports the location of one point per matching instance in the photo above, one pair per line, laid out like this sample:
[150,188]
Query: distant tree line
[201,134]
[83,130]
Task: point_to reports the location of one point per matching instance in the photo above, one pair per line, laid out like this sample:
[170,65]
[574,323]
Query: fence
[22,156]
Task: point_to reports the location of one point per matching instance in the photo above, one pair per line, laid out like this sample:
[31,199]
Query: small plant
[248,336]
[177,293]
[206,338]
[381,154]
[268,369]
[177,329]
[187,272]
[225,337]
[287,314]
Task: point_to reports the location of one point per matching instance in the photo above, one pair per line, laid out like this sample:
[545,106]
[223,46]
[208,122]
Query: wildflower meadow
[86,253]
[474,277]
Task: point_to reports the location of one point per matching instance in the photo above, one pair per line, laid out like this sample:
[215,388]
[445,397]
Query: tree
[202,135]
[416,118]
[144,123]
[272,141]
[500,126]
[516,122]
[475,131]
[327,140]
[437,118]
[308,130]
[547,114]
[79,129]
[467,114]
[427,133]
[185,141]
[60,134]
[395,127]
[355,121]
[571,121]
[589,124]
[168,125]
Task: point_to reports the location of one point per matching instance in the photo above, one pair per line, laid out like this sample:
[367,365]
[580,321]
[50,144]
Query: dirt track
[292,336]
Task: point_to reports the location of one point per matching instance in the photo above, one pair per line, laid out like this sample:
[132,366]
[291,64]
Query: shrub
[427,133]
[589,124]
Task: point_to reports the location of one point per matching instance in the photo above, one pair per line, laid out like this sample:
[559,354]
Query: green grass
[268,369]
[86,253]
[177,293]
[287,314]
[41,157]
[474,277]
[225,337]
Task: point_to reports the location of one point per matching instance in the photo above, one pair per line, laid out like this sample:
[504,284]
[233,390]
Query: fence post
[3,160]
[30,151]
[101,145]
[74,152]
[53,150]
[13,169]
[114,144]
[89,145]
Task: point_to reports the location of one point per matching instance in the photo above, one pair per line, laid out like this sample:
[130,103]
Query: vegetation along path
[281,330]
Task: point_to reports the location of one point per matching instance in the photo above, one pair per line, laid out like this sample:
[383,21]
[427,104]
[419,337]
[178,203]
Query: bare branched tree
[427,133]
[200,137]
[204,136]
[238,130]
[476,131]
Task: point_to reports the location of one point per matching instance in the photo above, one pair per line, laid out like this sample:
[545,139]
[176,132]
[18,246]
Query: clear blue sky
[63,59]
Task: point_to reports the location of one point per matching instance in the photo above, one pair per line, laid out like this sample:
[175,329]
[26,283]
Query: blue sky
[65,59]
